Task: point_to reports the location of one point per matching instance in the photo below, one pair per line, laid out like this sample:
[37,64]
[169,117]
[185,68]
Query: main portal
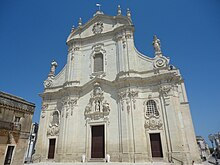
[98,141]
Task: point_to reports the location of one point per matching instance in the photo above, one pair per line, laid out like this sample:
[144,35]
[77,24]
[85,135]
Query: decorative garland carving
[97,108]
[165,90]
[153,124]
[53,130]
[122,95]
[122,36]
[68,104]
[128,97]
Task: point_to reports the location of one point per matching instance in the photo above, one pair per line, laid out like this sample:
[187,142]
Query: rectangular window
[9,155]
[17,119]
[156,147]
[17,125]
[51,151]
[1,112]
[98,62]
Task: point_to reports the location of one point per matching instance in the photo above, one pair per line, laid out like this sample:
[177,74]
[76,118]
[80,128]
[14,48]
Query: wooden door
[9,154]
[51,150]
[98,142]
[156,148]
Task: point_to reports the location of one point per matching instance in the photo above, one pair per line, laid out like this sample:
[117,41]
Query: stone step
[104,163]
[101,163]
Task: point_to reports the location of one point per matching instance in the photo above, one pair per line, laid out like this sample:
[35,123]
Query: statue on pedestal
[156,44]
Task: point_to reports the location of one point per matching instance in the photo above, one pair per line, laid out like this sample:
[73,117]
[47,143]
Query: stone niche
[97,108]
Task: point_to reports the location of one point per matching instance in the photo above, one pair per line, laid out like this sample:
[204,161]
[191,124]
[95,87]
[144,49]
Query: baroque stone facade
[15,124]
[111,101]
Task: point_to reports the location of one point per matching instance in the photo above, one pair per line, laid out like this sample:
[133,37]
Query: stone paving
[209,161]
[102,163]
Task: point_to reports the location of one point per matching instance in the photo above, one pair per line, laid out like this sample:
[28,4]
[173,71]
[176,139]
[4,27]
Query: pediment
[99,24]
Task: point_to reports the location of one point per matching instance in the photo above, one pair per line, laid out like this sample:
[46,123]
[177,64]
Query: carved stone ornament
[97,27]
[160,62]
[44,107]
[67,106]
[97,108]
[153,124]
[128,97]
[48,82]
[53,128]
[165,89]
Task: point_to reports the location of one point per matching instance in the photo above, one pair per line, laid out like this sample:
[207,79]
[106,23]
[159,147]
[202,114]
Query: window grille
[98,62]
[152,109]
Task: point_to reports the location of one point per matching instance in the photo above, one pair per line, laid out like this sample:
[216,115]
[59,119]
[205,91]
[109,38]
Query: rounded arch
[55,118]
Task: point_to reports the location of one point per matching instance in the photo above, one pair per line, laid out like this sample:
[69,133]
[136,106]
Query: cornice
[123,79]
[12,108]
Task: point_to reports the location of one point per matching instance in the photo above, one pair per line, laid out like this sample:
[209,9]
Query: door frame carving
[89,138]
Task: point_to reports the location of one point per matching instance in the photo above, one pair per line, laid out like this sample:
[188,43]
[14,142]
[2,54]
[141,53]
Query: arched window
[55,119]
[152,109]
[98,62]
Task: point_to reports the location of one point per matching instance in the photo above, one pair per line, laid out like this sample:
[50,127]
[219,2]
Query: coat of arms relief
[98,27]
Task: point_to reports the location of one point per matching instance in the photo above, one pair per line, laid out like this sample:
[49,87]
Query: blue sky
[32,33]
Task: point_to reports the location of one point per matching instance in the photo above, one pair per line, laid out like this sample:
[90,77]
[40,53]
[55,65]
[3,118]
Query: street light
[212,138]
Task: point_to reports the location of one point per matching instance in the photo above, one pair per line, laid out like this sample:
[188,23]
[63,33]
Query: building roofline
[16,98]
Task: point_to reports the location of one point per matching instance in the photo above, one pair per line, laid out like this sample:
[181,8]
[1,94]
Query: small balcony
[16,126]
[10,126]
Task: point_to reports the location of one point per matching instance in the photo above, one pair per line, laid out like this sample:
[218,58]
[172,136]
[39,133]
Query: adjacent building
[31,143]
[15,123]
[203,147]
[111,101]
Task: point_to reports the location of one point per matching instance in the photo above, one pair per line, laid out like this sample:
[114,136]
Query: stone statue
[128,13]
[119,10]
[97,106]
[156,44]
[53,68]
[88,109]
[106,107]
[97,90]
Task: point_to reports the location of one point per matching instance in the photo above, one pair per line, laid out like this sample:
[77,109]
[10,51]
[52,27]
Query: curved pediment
[99,24]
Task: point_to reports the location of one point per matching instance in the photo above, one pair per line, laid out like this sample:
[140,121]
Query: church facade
[110,101]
